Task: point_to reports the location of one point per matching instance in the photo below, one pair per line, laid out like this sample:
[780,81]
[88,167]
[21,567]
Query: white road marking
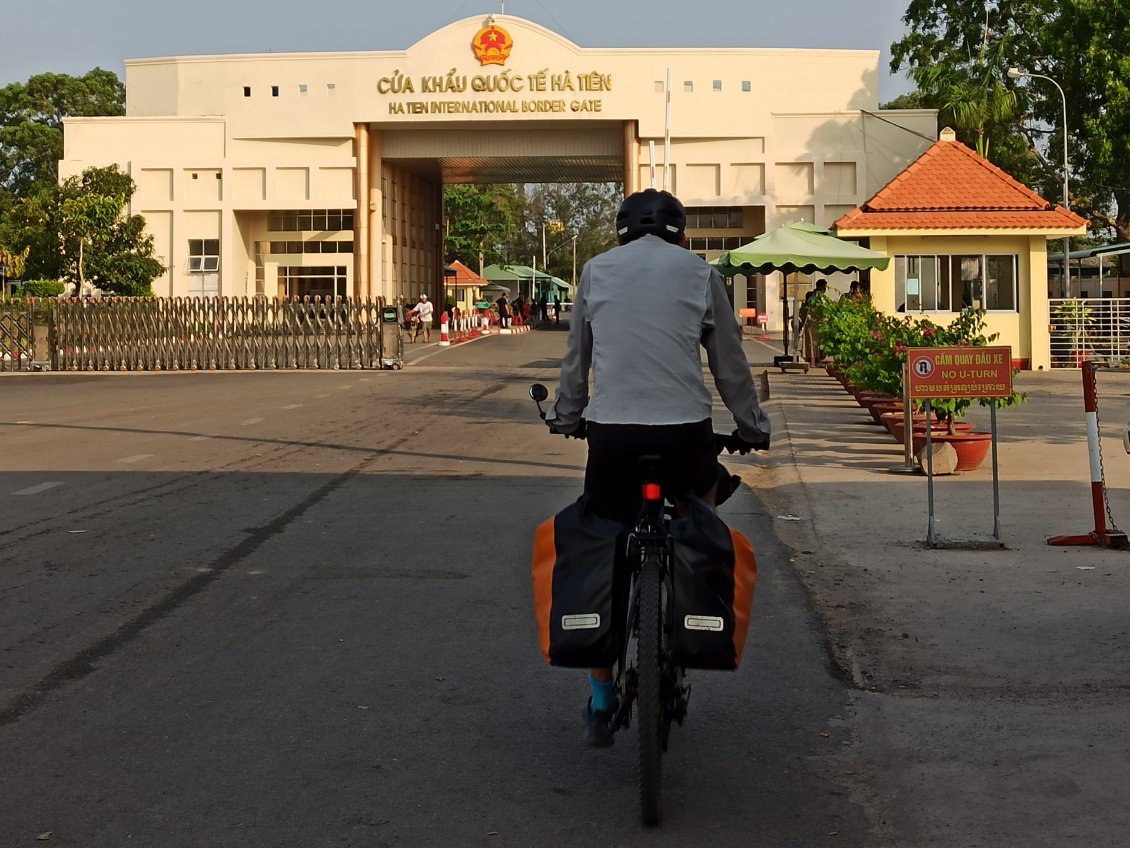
[251,421]
[293,406]
[200,438]
[318,397]
[39,488]
[137,457]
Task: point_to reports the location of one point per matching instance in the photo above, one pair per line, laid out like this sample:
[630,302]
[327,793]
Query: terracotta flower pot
[894,422]
[971,448]
[877,410]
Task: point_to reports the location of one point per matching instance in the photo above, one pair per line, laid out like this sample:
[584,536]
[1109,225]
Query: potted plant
[876,347]
[1075,319]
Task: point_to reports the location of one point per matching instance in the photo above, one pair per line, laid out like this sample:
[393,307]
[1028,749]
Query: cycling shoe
[598,726]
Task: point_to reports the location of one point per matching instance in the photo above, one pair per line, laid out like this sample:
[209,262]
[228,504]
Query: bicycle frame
[651,536]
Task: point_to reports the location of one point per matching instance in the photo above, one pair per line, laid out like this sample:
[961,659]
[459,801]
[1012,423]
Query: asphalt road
[293,609]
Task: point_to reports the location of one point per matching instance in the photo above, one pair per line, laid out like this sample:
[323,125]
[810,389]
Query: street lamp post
[573,240]
[1017,73]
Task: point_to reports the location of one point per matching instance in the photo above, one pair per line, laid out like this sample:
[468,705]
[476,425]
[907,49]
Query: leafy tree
[13,263]
[31,124]
[478,222]
[78,231]
[587,210]
[1086,55]
[959,52]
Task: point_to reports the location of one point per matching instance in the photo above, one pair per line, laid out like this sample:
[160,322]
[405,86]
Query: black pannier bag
[576,596]
[713,575]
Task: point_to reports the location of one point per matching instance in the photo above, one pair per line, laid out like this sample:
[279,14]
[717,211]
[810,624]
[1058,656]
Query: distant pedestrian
[557,309]
[503,311]
[423,310]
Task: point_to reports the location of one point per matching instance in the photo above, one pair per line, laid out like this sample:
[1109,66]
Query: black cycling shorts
[613,475]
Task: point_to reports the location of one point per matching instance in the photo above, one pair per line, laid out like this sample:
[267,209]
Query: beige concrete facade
[263,155]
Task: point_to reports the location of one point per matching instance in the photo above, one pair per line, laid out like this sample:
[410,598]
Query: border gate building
[283,175]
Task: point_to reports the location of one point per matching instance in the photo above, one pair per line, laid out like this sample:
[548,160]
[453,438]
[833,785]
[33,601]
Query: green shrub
[41,288]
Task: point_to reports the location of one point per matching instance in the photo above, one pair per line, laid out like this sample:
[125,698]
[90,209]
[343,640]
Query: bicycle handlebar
[732,443]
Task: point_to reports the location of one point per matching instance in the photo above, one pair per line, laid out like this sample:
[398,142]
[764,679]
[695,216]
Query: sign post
[959,372]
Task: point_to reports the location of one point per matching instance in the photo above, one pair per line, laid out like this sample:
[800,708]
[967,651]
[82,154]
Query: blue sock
[603,695]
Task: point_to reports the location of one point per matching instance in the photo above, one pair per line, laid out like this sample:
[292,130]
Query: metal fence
[188,334]
[1094,329]
[18,331]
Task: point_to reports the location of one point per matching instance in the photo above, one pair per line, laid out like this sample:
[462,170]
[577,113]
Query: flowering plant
[872,347]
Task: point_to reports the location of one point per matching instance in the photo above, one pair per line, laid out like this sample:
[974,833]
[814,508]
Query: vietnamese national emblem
[492,45]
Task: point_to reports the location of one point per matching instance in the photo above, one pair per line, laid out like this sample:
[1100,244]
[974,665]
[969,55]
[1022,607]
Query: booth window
[954,282]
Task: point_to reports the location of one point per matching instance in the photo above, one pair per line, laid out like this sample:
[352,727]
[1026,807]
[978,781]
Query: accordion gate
[216,334]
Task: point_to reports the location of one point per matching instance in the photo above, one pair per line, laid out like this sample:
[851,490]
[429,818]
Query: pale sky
[73,36]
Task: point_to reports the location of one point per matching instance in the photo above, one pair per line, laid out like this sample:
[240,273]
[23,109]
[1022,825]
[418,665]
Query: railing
[18,332]
[1095,329]
[188,334]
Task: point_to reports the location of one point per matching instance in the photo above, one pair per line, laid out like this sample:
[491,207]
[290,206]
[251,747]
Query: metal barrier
[19,332]
[1090,330]
[189,334]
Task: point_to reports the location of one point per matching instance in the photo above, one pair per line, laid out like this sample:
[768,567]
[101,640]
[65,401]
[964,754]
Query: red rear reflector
[652,492]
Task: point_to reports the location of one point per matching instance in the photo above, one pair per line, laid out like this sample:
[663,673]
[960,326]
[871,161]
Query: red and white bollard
[1101,535]
[444,340]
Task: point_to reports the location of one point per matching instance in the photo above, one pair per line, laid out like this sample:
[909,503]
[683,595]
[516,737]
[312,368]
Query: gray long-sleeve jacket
[640,314]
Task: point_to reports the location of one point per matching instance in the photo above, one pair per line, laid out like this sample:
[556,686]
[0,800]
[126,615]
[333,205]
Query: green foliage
[505,221]
[77,231]
[31,123]
[1077,318]
[1086,54]
[586,210]
[872,347]
[478,220]
[959,51]
[41,288]
[13,263]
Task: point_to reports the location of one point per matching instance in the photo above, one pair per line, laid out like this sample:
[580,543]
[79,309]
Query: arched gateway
[284,174]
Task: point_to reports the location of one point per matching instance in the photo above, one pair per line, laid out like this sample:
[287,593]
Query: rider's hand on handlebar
[743,446]
[575,432]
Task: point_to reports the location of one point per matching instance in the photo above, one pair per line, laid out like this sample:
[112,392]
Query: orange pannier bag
[577,596]
[713,575]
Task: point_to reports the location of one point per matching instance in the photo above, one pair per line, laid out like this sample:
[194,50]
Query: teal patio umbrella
[794,248]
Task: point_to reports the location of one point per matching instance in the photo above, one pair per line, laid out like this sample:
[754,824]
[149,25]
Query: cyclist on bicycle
[640,314]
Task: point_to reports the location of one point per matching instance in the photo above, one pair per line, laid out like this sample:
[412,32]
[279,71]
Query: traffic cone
[444,341]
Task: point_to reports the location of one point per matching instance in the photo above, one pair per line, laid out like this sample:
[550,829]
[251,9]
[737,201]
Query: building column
[374,214]
[631,157]
[1036,309]
[361,280]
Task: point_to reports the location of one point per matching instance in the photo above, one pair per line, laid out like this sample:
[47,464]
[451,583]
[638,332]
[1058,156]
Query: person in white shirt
[423,311]
[642,313]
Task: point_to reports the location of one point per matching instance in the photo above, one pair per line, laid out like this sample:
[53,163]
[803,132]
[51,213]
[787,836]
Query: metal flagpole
[667,137]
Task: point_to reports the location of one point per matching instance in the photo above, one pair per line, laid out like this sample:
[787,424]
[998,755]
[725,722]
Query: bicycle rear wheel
[650,669]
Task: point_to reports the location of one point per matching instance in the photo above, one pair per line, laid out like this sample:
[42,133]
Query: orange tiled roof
[950,187]
[464,276]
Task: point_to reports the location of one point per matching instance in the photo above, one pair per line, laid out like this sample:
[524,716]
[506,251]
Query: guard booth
[392,336]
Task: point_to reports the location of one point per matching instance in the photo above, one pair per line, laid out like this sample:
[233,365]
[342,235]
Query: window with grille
[203,255]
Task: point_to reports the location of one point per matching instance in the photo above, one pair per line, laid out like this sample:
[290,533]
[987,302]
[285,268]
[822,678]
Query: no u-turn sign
[959,372]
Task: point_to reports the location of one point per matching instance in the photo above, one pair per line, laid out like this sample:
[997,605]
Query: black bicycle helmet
[650,211]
